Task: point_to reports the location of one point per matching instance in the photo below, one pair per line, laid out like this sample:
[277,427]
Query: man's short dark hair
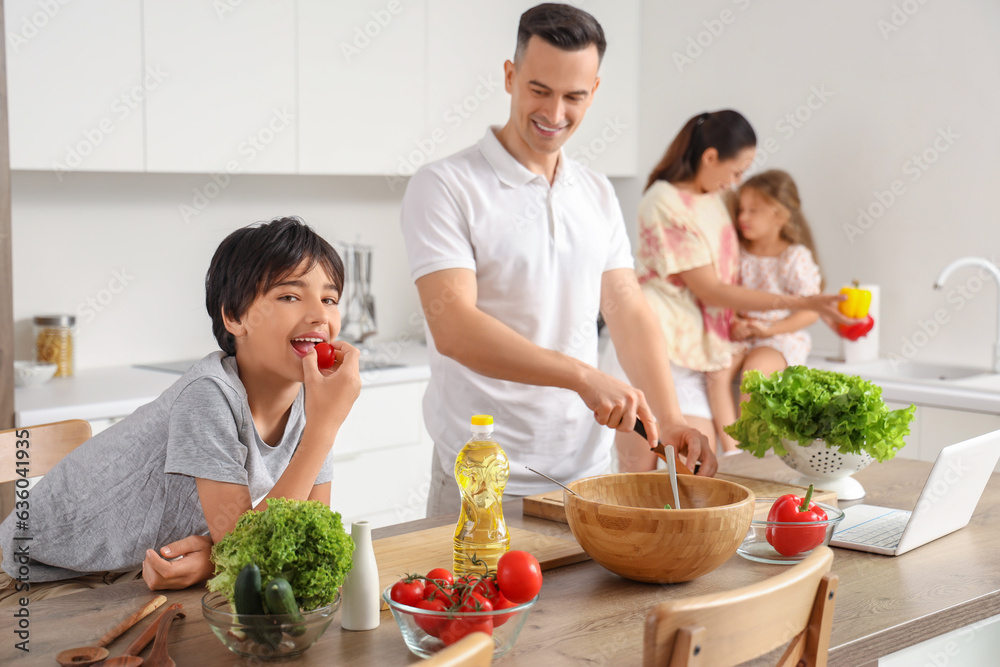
[562,26]
[251,260]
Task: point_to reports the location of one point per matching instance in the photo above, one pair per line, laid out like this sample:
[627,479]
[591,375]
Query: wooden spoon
[88,655]
[158,655]
[130,656]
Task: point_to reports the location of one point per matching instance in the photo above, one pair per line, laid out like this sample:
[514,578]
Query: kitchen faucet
[995,272]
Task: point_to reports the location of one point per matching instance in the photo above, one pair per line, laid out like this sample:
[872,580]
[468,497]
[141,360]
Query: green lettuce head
[303,541]
[804,404]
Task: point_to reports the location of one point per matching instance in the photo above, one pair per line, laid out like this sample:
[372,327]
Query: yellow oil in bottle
[481,470]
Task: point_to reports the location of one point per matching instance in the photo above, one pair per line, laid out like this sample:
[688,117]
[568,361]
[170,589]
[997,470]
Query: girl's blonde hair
[777,187]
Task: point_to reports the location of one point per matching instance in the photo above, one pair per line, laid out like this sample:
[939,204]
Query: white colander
[826,468]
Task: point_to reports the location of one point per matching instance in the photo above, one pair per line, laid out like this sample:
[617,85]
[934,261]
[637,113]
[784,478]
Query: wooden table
[587,615]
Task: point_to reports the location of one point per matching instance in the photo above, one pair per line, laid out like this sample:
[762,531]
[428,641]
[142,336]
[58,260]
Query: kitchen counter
[586,615]
[107,393]
[976,393]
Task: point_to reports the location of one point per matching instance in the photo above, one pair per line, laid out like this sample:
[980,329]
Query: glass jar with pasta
[54,342]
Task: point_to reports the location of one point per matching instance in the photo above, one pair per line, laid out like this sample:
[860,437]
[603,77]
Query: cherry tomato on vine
[475,602]
[457,628]
[326,356]
[441,573]
[432,625]
[498,604]
[519,576]
[407,591]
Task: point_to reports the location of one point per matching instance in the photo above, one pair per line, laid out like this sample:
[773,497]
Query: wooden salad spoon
[88,655]
[130,656]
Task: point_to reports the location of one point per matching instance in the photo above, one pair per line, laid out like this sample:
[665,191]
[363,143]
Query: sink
[916,370]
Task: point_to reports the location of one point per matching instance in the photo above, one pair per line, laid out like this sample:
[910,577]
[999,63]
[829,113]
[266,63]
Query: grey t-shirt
[132,487]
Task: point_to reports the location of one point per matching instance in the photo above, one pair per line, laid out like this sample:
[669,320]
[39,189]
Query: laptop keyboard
[883,532]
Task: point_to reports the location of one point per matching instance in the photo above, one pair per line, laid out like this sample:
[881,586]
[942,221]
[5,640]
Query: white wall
[889,92]
[888,97]
[71,237]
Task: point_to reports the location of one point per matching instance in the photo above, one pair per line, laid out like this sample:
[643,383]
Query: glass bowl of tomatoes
[435,610]
[787,542]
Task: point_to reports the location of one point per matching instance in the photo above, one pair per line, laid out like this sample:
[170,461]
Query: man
[515,250]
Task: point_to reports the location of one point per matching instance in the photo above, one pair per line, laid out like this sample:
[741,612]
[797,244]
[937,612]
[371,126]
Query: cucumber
[249,605]
[279,599]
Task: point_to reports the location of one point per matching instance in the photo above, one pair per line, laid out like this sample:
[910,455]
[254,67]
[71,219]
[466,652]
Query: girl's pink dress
[793,272]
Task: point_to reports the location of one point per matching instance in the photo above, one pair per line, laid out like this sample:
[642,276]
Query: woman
[688,263]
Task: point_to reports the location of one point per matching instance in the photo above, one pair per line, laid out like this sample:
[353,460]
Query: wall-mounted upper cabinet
[467,44]
[75,85]
[228,98]
[361,85]
[368,87]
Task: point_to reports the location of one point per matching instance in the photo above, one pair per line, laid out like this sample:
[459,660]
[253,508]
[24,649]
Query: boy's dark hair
[251,260]
[562,26]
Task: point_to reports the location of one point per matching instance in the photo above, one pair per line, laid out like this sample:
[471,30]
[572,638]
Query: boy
[254,421]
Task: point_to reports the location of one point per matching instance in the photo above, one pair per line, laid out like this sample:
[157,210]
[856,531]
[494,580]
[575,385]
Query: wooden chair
[729,628]
[47,445]
[473,650]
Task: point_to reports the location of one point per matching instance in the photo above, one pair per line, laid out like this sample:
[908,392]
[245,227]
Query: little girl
[776,255]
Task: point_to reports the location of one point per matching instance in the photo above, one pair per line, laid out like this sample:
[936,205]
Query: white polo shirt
[538,252]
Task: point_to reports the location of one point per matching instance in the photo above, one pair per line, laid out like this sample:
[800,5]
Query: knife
[662,453]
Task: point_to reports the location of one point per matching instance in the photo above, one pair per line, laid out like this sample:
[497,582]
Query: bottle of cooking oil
[481,471]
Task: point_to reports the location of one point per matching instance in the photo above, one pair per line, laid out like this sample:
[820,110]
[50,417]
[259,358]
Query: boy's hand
[195,566]
[330,394]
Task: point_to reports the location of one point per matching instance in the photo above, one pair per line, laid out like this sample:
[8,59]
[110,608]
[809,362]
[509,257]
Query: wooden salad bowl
[620,522]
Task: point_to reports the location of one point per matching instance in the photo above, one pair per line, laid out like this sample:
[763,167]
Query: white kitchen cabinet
[940,427]
[382,457]
[467,44]
[228,102]
[362,85]
[76,82]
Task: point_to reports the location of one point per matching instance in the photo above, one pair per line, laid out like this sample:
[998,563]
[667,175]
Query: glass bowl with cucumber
[263,621]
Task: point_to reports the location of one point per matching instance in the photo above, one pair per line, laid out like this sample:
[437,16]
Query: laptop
[946,503]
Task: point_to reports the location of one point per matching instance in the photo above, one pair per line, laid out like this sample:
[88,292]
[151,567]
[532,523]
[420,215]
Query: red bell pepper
[856,331]
[793,540]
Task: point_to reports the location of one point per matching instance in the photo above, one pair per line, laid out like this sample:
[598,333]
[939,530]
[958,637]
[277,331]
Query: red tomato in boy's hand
[519,576]
[326,356]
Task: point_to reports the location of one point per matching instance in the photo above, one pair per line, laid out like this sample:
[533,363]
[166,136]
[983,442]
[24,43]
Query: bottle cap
[482,420]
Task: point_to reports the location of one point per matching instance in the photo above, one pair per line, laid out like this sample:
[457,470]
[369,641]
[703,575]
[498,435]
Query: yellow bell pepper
[857,302]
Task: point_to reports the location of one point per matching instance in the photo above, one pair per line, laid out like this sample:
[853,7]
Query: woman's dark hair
[726,131]
[251,260]
[562,26]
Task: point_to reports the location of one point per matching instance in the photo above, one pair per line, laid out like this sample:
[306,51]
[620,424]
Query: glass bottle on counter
[481,470]
[54,342]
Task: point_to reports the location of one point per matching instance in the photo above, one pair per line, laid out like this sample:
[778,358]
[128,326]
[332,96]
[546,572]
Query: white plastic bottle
[362,598]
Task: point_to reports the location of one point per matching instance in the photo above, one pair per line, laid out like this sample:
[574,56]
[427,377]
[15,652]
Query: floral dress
[793,272]
[680,231]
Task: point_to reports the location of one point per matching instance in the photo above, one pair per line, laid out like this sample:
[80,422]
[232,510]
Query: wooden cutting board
[422,551]
[550,505]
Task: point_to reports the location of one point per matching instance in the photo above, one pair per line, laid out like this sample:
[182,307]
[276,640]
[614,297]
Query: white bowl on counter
[32,373]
